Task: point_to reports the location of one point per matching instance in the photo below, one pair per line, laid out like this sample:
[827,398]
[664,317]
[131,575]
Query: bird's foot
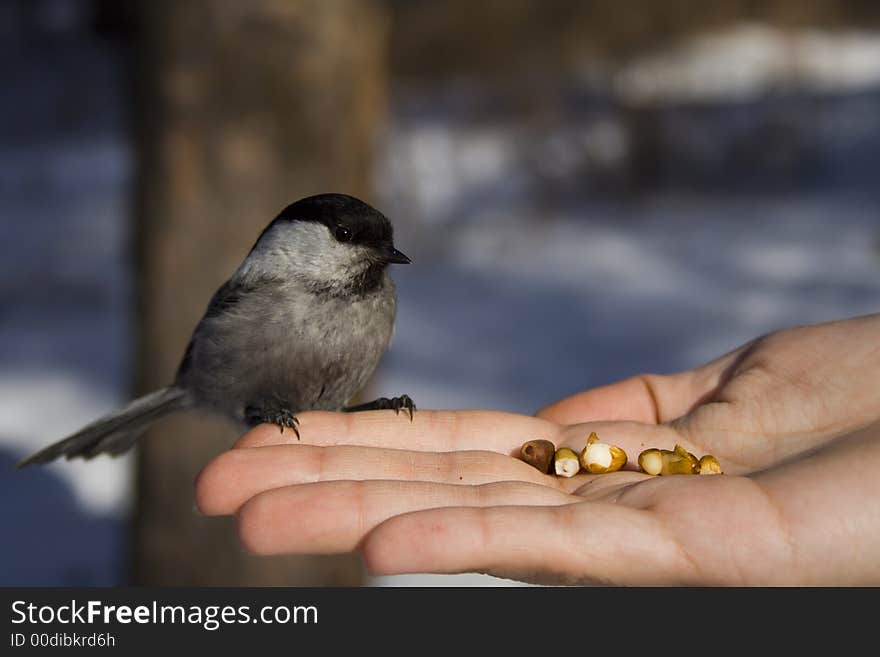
[282,417]
[404,402]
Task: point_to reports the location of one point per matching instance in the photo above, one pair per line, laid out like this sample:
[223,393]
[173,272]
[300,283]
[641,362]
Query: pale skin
[793,418]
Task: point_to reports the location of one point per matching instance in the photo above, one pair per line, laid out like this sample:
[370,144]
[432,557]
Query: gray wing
[229,294]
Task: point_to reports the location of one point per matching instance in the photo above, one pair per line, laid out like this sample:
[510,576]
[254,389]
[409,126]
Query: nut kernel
[566,463]
[538,454]
[598,457]
[709,465]
[651,461]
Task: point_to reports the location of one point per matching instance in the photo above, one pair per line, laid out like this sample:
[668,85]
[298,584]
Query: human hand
[794,418]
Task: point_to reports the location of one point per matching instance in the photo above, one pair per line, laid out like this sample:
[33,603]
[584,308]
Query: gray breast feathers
[274,340]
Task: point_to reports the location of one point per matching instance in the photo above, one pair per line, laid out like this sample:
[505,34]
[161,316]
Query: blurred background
[589,190]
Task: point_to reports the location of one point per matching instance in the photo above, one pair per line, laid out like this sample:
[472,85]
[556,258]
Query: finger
[436,431]
[235,476]
[443,431]
[575,544]
[333,517]
[648,398]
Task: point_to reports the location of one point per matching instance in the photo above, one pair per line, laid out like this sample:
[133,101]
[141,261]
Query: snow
[747,60]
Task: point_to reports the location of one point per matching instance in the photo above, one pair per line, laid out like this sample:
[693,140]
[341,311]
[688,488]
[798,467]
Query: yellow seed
[675,463]
[709,465]
[599,458]
[538,454]
[566,462]
[690,458]
[651,461]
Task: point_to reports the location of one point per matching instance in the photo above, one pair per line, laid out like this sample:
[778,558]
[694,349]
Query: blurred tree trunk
[241,108]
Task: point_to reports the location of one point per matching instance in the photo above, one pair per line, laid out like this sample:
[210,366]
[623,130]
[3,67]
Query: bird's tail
[114,433]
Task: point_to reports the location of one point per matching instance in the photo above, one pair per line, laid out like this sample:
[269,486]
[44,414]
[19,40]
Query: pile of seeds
[598,457]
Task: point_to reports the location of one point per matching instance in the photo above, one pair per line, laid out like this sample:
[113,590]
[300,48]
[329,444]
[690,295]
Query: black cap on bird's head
[349,220]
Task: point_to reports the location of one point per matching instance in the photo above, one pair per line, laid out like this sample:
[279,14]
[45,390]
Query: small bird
[301,325]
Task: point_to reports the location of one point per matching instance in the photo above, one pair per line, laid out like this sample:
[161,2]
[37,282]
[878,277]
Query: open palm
[794,419]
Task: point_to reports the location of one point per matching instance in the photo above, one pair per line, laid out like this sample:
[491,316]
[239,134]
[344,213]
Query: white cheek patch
[304,250]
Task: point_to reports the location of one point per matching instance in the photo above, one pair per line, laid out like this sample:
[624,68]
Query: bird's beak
[393,256]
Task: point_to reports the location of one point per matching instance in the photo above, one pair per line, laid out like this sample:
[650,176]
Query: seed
[651,461]
[668,462]
[694,462]
[674,463]
[538,454]
[709,465]
[599,458]
[566,462]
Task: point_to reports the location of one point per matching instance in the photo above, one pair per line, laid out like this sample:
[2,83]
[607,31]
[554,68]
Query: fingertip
[373,558]
[212,482]
[254,522]
[389,549]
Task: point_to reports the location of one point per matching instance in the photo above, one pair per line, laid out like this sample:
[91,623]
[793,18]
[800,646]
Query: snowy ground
[512,302]
[65,290]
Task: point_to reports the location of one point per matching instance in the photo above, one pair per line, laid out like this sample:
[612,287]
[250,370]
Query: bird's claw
[287,419]
[283,418]
[403,403]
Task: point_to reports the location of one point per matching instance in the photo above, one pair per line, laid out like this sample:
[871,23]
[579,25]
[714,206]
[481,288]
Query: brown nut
[709,465]
[566,463]
[599,458]
[538,454]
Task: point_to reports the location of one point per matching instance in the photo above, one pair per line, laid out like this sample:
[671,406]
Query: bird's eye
[343,234]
